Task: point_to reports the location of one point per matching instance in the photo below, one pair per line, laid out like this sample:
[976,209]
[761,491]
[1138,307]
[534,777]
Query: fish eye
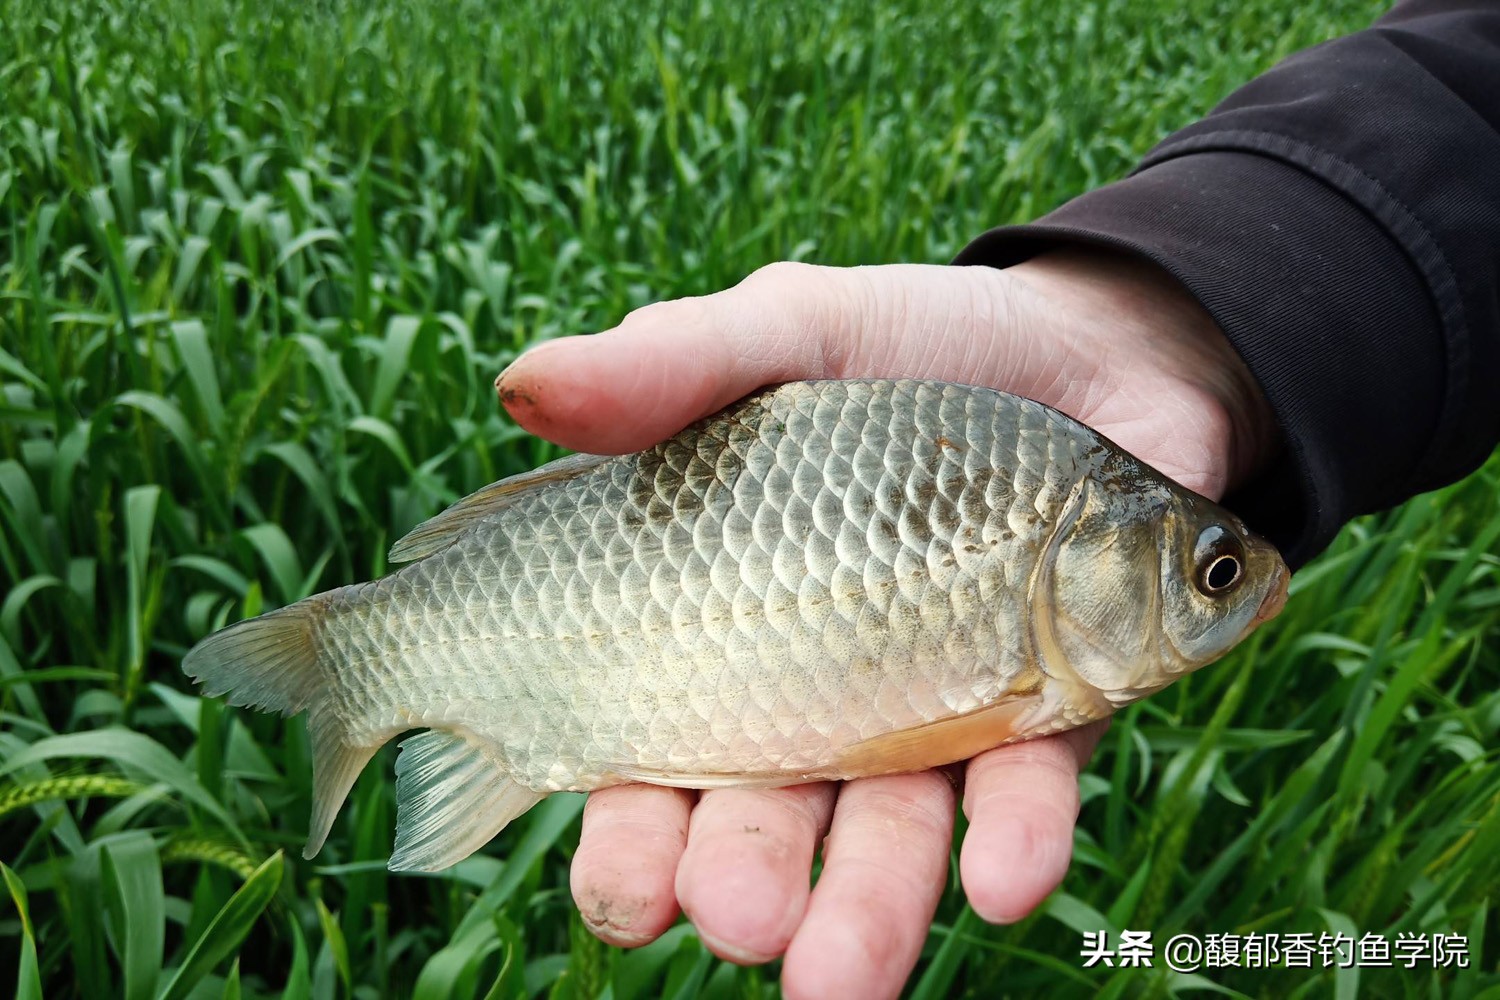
[1220,561]
[1223,573]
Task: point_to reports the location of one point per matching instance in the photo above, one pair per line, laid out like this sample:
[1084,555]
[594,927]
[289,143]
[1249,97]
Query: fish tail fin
[268,662]
[271,662]
[336,764]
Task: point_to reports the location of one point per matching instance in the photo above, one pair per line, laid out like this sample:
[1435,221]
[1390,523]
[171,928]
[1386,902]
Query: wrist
[1128,313]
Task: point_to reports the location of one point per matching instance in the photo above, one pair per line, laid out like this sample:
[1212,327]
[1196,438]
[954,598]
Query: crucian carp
[826,580]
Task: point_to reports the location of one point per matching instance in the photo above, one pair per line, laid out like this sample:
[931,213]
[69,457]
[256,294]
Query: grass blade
[28,977]
[136,903]
[224,934]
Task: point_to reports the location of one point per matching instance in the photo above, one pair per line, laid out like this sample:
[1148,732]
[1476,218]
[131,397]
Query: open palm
[1110,341]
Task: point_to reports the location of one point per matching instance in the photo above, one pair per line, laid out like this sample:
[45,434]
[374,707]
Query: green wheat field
[259,265]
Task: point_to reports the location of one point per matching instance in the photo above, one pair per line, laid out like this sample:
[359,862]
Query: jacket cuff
[1326,309]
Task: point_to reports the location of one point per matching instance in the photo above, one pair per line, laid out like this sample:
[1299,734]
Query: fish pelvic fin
[452,797]
[271,662]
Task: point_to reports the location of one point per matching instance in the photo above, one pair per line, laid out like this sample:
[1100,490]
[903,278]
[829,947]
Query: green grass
[258,266]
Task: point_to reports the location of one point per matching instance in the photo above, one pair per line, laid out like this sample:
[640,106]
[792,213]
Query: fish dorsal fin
[439,532]
[452,798]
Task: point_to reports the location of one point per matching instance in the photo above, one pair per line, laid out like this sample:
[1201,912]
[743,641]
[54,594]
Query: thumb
[670,363]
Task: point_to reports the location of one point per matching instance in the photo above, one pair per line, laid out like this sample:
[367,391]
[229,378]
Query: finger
[667,364]
[884,868]
[744,878]
[633,837]
[1022,802]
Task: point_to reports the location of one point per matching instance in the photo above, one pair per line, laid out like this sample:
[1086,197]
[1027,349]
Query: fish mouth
[1275,599]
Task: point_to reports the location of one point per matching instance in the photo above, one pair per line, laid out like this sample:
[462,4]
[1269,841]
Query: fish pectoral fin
[937,743]
[437,533]
[452,798]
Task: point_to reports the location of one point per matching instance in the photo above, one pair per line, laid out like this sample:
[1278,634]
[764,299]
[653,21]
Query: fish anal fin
[942,742]
[452,797]
[438,532]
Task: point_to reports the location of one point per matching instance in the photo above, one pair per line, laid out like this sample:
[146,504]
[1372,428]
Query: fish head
[1148,582]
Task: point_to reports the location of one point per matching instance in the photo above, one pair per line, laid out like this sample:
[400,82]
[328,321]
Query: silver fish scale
[824,563]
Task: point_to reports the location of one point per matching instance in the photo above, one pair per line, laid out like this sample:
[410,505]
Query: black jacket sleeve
[1339,217]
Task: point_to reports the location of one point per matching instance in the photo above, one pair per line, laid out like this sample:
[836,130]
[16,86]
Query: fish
[826,580]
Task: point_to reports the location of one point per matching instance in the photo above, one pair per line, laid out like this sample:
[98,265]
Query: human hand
[1110,341]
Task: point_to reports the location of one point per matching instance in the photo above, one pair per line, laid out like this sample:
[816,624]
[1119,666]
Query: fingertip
[670,363]
[1022,802]
[744,904]
[664,366]
[1009,865]
[745,877]
[577,392]
[744,914]
[621,877]
[730,950]
[623,919]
